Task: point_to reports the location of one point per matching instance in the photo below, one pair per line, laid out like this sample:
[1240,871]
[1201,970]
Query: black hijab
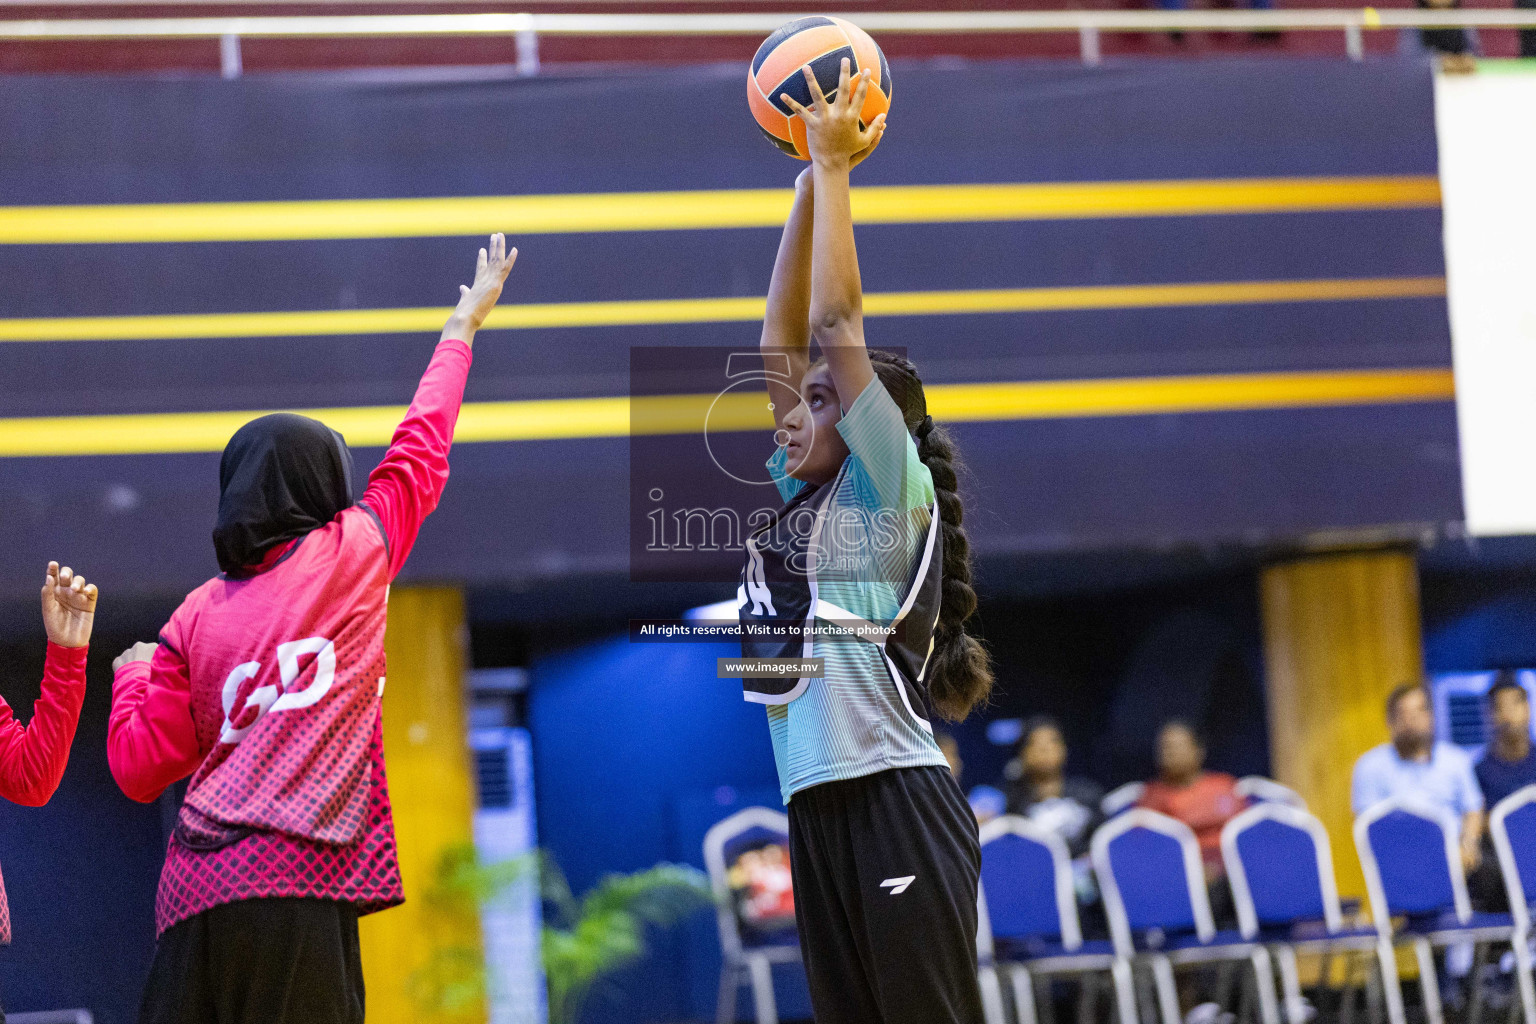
[281,476]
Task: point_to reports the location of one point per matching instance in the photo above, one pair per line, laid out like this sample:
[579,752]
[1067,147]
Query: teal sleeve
[884,454]
[788,486]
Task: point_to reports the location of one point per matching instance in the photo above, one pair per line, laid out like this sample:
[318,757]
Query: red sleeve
[1155,798]
[32,759]
[407,484]
[1215,802]
[151,739]
[1226,786]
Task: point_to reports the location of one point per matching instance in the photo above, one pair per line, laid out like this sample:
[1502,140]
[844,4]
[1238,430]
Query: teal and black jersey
[865,547]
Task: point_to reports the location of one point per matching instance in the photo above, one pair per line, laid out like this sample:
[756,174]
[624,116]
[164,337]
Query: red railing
[286,34]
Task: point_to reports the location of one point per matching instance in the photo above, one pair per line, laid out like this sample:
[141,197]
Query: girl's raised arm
[33,757]
[405,486]
[836,141]
[786,341]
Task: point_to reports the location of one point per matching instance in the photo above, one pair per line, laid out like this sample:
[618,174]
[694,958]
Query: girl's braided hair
[960,671]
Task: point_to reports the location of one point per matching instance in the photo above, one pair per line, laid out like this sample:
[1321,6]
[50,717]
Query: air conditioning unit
[505,829]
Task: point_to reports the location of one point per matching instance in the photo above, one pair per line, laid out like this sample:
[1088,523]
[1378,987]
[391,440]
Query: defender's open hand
[69,607]
[477,300]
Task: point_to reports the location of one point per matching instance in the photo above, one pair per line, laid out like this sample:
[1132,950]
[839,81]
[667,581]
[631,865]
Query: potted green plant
[581,941]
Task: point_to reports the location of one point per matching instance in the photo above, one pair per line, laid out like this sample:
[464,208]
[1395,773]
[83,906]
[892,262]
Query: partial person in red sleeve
[266,687]
[1205,801]
[32,757]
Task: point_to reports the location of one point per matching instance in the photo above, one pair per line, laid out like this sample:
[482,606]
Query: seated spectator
[1067,805]
[1508,764]
[1205,801]
[1415,766]
[986,801]
[1045,794]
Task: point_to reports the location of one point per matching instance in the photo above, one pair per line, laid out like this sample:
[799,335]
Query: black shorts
[885,872]
[268,961]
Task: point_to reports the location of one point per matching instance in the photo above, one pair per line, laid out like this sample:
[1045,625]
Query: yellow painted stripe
[569,418]
[1140,396]
[713,310]
[520,216]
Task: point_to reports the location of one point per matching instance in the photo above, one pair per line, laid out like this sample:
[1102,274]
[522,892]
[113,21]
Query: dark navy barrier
[517,512]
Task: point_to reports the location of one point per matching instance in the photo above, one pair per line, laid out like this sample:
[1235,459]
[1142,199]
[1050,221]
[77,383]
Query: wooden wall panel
[431,787]
[1340,631]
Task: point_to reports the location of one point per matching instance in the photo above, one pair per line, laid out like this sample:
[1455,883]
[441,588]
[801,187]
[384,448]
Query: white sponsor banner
[1487,130]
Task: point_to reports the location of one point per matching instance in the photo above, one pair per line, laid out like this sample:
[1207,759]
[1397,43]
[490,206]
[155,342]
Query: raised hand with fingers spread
[69,607]
[477,300]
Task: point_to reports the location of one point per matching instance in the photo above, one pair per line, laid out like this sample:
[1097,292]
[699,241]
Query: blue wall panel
[638,749]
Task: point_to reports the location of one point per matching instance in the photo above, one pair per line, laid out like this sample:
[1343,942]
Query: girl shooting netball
[884,848]
[266,688]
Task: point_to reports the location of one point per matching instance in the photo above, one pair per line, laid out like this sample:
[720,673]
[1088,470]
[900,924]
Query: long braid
[960,672]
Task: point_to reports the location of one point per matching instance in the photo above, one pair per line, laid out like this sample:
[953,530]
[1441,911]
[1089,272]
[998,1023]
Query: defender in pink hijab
[265,687]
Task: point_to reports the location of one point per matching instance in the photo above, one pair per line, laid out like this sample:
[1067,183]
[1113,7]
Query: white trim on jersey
[830,612]
[906,606]
[922,566]
[901,690]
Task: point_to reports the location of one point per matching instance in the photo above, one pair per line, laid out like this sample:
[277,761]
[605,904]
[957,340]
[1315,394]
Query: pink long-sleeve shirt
[267,691]
[32,757]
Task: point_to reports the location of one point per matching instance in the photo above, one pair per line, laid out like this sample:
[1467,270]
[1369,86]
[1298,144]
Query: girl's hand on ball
[878,126]
[805,181]
[832,126]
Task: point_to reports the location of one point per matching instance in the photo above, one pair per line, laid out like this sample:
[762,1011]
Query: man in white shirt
[1414,766]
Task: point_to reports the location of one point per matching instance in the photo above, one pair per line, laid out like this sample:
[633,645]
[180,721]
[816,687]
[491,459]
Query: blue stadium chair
[1257,789]
[1280,866]
[1121,798]
[1153,884]
[1412,866]
[746,958]
[1030,904]
[1513,825]
[986,963]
